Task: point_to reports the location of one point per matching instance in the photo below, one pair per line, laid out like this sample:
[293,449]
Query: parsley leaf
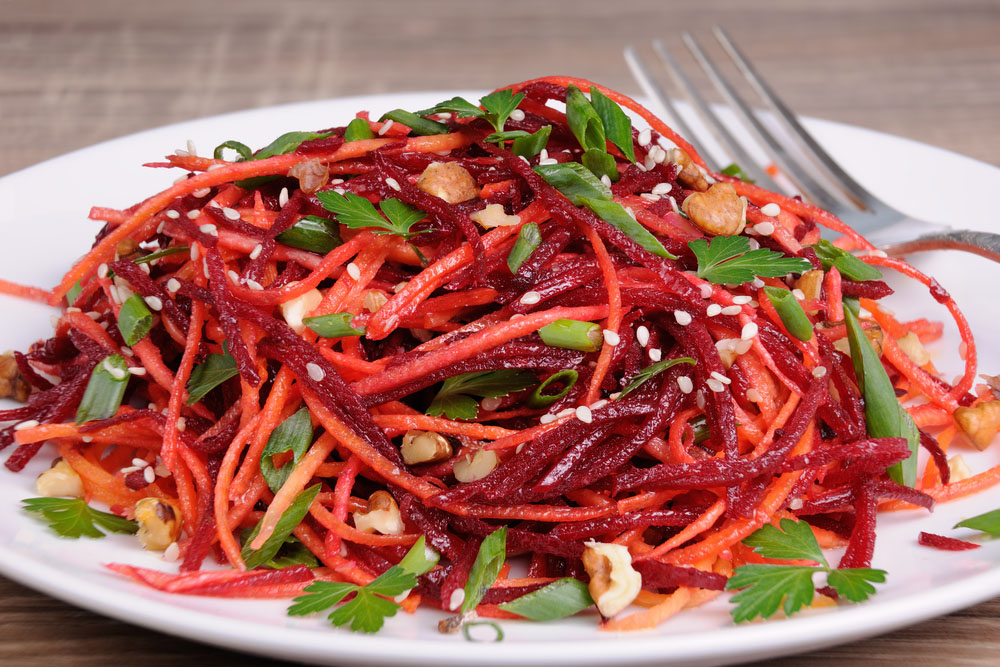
[461,107]
[357,212]
[728,260]
[737,171]
[369,608]
[454,399]
[216,369]
[499,106]
[652,371]
[74,518]
[790,587]
[850,267]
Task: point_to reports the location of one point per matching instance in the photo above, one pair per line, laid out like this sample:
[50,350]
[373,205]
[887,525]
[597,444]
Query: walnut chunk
[718,211]
[614,583]
[811,283]
[312,175]
[128,249]
[980,423]
[448,181]
[12,383]
[690,175]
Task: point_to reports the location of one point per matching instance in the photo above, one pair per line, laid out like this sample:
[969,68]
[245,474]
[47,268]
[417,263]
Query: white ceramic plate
[45,227]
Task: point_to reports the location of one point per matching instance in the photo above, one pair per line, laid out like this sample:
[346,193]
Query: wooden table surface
[75,73]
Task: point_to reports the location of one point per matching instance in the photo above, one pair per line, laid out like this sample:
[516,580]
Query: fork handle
[984,244]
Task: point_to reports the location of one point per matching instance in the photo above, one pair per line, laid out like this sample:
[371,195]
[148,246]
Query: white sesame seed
[743,346]
[597,405]
[662,189]
[137,370]
[385,127]
[642,335]
[749,330]
[715,385]
[649,163]
[799,294]
[130,469]
[254,285]
[93,314]
[181,423]
[117,373]
[526,160]
[193,213]
[398,287]
[606,180]
[641,166]
[645,137]
[819,371]
[543,154]
[530,298]
[630,212]
[180,179]
[490,404]
[154,302]
[194,253]
[235,277]
[513,317]
[393,183]
[548,160]
[683,317]
[713,309]
[658,154]
[742,300]
[191,150]
[213,167]
[87,438]
[203,192]
[699,399]
[172,214]
[721,378]
[732,310]
[706,291]
[145,268]
[754,244]
[353,271]
[139,463]
[172,552]
[758,283]
[753,395]
[611,337]
[565,412]
[102,271]
[149,475]
[162,470]
[547,418]
[30,423]
[655,354]
[340,191]
[283,197]
[878,253]
[771,209]
[456,599]
[583,414]
[796,504]
[316,374]
[517,115]
[127,352]
[229,214]
[616,395]
[209,229]
[255,253]
[173,285]
[685,384]
[764,228]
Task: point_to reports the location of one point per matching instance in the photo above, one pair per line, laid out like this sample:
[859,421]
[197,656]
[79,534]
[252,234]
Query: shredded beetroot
[945,543]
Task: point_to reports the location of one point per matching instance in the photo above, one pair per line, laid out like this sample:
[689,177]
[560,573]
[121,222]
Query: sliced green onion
[600,163]
[287,143]
[418,125]
[616,122]
[790,312]
[358,130]
[884,416]
[615,215]
[159,254]
[854,303]
[312,233]
[216,369]
[334,325]
[507,135]
[244,151]
[485,569]
[528,240]
[105,390]
[134,320]
[849,266]
[572,335]
[467,631]
[575,181]
[74,292]
[562,598]
[583,120]
[539,399]
[531,145]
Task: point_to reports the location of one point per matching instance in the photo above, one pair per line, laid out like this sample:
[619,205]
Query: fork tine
[850,186]
[652,88]
[790,166]
[718,128]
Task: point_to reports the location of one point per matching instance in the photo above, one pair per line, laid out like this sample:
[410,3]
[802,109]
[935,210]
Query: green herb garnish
[134,320]
[850,267]
[790,312]
[160,254]
[528,240]
[583,121]
[497,108]
[988,523]
[617,125]
[369,608]
[737,171]
[563,597]
[485,569]
[105,390]
[289,521]
[572,335]
[768,587]
[728,260]
[652,371]
[216,369]
[615,215]
[357,212]
[455,398]
[417,125]
[74,518]
[294,435]
[539,399]
[600,164]
[358,130]
[334,325]
[311,233]
[574,181]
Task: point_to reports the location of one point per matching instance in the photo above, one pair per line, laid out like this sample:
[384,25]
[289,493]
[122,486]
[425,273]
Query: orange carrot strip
[652,617]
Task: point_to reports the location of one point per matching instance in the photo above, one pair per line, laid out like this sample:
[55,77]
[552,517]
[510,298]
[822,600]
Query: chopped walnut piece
[312,175]
[718,210]
[811,282]
[980,423]
[690,175]
[12,383]
[448,181]
[128,249]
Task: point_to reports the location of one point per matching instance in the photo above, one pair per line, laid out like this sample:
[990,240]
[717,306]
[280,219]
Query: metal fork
[892,230]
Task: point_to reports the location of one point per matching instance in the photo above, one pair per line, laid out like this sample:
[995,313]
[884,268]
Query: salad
[509,358]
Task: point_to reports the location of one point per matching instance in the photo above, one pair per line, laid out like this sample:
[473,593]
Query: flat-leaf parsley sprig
[372,603]
[728,260]
[791,587]
[73,518]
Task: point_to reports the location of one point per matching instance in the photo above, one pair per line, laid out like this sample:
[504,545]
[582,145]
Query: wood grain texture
[75,73]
